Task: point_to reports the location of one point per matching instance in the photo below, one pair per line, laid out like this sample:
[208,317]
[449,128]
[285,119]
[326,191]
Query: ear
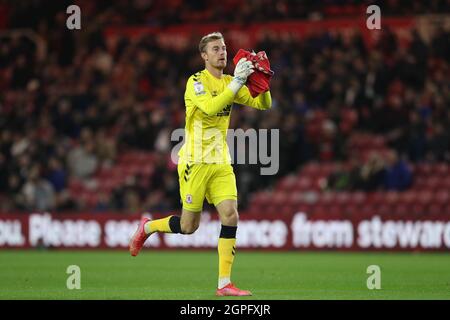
[205,56]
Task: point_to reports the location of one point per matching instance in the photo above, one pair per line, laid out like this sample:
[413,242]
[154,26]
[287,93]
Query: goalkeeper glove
[244,68]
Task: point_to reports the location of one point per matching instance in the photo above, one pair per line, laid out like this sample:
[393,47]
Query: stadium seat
[418,210]
[287,183]
[367,211]
[442,197]
[351,211]
[377,197]
[432,182]
[358,198]
[303,183]
[424,169]
[343,198]
[407,197]
[384,210]
[279,198]
[310,170]
[286,210]
[392,197]
[425,197]
[401,210]
[435,210]
[440,170]
[419,183]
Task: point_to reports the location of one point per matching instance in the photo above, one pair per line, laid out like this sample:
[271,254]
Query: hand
[244,68]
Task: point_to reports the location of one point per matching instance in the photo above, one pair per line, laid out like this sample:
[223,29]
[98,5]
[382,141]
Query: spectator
[339,180]
[129,96]
[82,160]
[57,176]
[372,173]
[438,144]
[38,192]
[342,179]
[398,176]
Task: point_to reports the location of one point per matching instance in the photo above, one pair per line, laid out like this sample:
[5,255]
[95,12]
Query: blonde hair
[208,38]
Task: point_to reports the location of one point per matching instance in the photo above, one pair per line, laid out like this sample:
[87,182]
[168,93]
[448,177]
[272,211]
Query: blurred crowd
[70,112]
[389,173]
[172,12]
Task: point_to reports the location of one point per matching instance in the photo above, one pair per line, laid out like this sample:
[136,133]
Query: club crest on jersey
[189,198]
[198,88]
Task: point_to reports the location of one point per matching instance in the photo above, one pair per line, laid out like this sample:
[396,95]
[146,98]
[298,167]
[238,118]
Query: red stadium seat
[418,210]
[440,170]
[424,169]
[279,198]
[392,197]
[350,211]
[425,198]
[401,210]
[384,210]
[303,208]
[335,212]
[446,182]
[75,185]
[367,210]
[327,198]
[358,198]
[286,210]
[310,170]
[420,181]
[377,197]
[320,211]
[442,197]
[256,198]
[271,209]
[432,183]
[287,183]
[435,210]
[303,183]
[343,198]
[325,169]
[407,197]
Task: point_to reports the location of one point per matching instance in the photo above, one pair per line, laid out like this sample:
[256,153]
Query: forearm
[218,103]
[265,100]
[262,101]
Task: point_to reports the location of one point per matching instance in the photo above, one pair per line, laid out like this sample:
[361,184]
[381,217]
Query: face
[216,54]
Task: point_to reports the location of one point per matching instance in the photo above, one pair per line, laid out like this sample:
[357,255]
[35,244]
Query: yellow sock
[226,249]
[161,225]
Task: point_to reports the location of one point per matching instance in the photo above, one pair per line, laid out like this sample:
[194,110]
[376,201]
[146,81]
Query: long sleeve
[201,97]
[261,102]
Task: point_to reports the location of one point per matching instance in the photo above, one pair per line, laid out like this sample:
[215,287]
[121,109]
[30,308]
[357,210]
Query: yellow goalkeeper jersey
[209,103]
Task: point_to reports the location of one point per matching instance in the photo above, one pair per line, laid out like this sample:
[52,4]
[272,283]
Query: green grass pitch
[179,275]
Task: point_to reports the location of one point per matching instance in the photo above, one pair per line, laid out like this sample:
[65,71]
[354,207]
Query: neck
[214,71]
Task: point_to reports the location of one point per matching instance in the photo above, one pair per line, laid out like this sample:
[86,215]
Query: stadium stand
[365,129]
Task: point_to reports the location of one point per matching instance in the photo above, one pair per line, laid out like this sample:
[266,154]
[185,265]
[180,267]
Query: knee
[230,217]
[188,228]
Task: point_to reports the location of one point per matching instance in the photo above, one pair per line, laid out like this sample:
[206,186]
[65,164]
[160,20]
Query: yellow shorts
[216,182]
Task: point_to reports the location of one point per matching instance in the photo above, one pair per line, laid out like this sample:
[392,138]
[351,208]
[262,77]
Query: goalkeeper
[204,167]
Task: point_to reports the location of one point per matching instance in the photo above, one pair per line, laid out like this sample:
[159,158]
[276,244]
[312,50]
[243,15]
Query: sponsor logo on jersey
[225,112]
